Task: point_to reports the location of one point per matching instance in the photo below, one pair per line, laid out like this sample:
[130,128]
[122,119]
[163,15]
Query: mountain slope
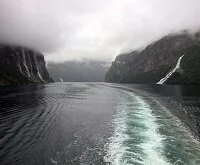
[19,65]
[78,71]
[189,73]
[155,61]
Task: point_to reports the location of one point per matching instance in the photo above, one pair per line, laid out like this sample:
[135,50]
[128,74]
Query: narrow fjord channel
[92,124]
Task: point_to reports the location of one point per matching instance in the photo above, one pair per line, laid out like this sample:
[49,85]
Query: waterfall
[30,64]
[163,80]
[19,65]
[61,80]
[38,71]
[24,63]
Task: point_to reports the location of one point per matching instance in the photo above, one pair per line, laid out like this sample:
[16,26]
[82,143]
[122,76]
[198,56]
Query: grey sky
[96,29]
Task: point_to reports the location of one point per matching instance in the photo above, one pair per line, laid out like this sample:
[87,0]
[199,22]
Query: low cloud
[96,29]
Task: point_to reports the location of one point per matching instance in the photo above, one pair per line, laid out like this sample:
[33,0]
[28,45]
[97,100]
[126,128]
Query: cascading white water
[30,65]
[19,65]
[61,80]
[24,63]
[38,71]
[163,80]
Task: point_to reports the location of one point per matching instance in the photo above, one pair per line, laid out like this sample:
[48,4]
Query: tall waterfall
[61,80]
[38,71]
[24,63]
[163,80]
[19,64]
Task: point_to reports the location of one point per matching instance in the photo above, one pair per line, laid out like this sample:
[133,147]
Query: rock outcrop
[155,61]
[19,65]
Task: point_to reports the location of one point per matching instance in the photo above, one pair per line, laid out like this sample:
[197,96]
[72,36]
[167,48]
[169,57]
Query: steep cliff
[155,61]
[20,65]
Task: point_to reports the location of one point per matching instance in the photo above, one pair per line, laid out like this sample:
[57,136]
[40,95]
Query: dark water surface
[98,123]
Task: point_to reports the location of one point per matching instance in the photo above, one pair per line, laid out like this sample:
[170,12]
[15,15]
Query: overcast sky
[94,29]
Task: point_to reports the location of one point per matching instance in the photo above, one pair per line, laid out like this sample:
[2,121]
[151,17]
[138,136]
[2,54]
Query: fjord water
[97,124]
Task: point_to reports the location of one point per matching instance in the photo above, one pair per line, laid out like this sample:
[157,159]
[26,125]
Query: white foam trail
[24,63]
[144,129]
[163,80]
[154,143]
[38,72]
[115,147]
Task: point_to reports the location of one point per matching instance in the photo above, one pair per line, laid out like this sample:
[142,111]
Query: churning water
[94,124]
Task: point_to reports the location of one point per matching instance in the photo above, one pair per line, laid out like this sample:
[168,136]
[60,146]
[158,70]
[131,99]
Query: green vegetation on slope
[190,66]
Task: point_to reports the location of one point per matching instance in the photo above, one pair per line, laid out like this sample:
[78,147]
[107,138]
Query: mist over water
[94,123]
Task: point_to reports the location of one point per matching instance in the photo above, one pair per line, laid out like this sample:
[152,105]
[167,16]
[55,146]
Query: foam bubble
[136,139]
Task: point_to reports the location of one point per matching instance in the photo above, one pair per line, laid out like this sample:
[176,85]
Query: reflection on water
[97,123]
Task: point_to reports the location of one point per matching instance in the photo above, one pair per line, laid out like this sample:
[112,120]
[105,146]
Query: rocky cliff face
[154,62]
[20,65]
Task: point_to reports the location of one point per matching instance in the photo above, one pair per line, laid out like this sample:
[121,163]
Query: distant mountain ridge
[159,58]
[20,65]
[78,71]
